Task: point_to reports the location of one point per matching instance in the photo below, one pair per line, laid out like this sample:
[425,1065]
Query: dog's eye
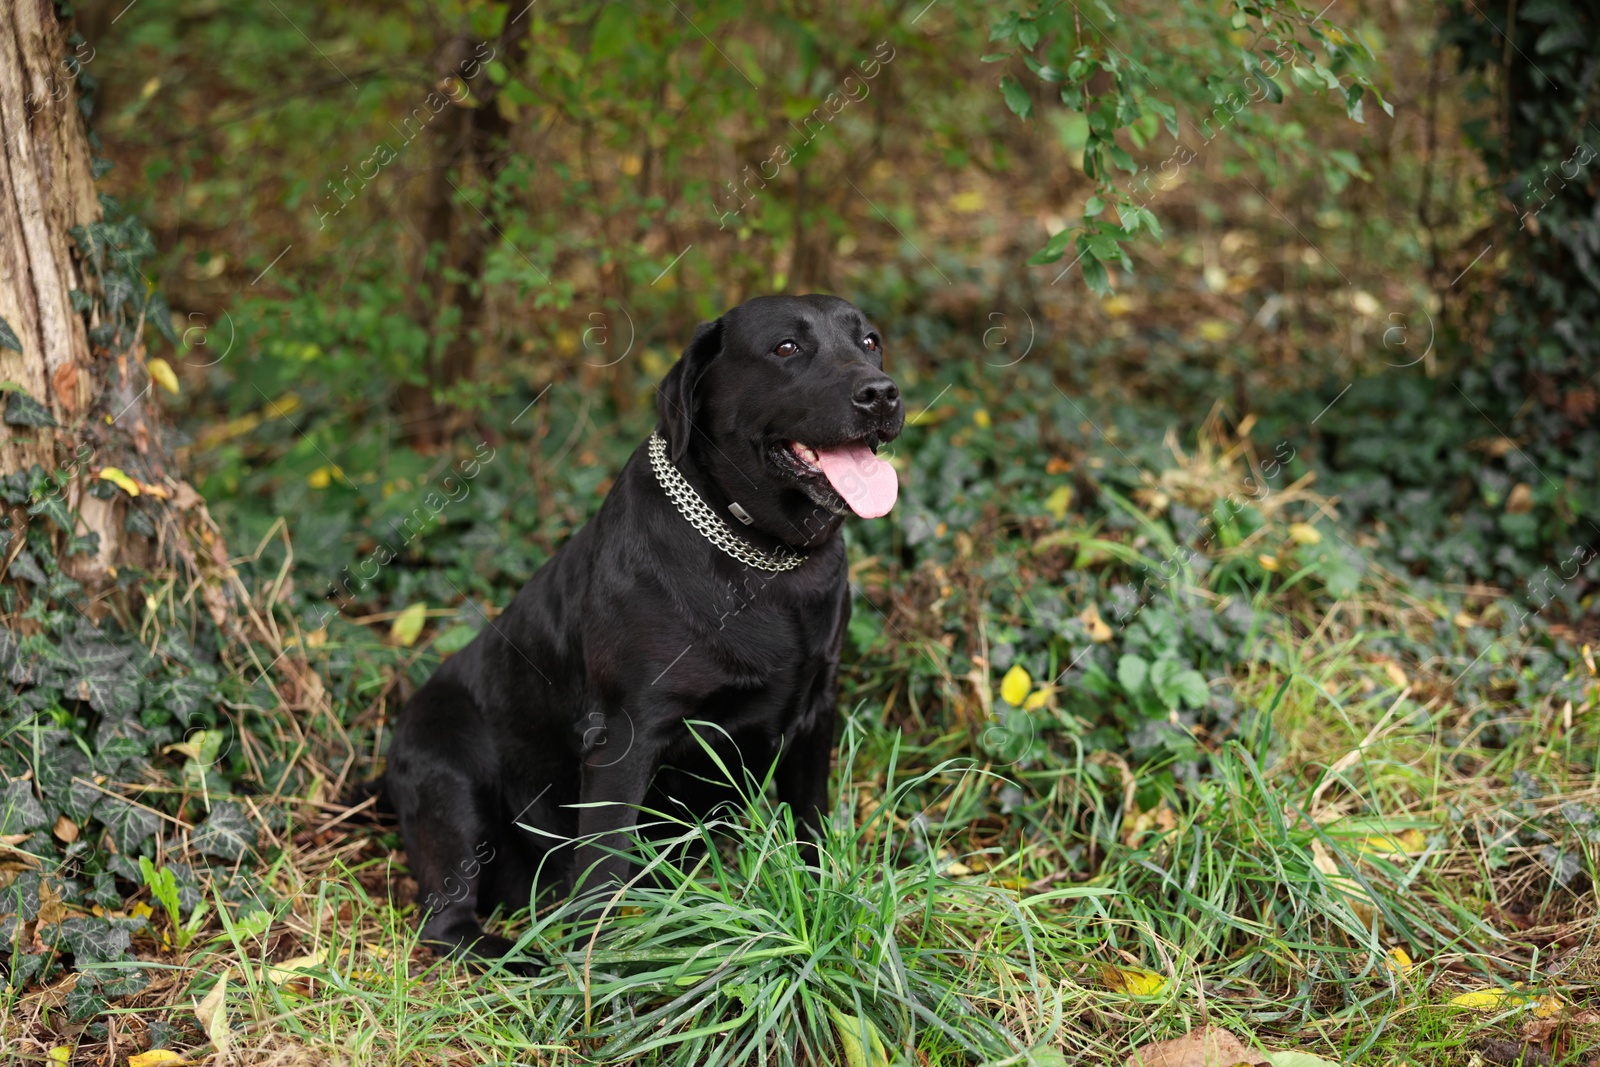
[871,342]
[787,349]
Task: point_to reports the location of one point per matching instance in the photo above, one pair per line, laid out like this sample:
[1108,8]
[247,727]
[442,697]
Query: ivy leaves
[113,251]
[226,834]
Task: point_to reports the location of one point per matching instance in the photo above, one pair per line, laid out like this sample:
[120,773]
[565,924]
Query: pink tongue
[867,483]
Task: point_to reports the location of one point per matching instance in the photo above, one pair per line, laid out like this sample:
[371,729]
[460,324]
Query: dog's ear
[675,394]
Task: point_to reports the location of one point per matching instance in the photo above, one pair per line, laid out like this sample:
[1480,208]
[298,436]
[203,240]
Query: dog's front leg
[802,780]
[612,786]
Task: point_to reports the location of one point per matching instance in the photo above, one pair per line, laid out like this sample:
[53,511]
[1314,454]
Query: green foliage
[1134,83]
[164,887]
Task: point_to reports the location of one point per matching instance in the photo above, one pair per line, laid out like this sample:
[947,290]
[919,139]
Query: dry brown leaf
[51,909]
[1138,823]
[1099,632]
[213,1014]
[1209,1046]
[1348,887]
[280,973]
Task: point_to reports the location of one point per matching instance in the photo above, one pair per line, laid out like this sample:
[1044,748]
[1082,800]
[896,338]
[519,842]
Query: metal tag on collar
[740,513]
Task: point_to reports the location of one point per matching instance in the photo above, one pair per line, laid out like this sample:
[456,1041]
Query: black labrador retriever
[579,692]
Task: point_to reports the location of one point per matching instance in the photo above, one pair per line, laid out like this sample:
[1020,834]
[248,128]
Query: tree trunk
[48,367]
[475,136]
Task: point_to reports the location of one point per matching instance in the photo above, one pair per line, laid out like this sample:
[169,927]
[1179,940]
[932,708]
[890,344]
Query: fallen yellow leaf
[966,203]
[1215,329]
[1059,501]
[60,1054]
[156,1057]
[1015,685]
[1013,882]
[120,480]
[161,374]
[1268,562]
[1398,962]
[1303,533]
[1117,305]
[1132,980]
[1036,699]
[407,626]
[323,477]
[1407,841]
[1498,999]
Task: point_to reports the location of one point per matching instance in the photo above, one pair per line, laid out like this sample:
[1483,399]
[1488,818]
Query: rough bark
[46,189]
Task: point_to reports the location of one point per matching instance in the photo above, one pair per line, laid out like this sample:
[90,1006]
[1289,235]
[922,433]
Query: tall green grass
[873,953]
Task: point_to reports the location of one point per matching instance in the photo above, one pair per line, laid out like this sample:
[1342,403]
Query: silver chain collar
[708,522]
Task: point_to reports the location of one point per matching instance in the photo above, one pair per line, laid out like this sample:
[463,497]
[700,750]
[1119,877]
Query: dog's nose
[877,397]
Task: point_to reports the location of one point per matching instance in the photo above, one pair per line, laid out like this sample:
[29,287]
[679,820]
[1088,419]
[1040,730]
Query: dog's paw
[493,952]
[466,941]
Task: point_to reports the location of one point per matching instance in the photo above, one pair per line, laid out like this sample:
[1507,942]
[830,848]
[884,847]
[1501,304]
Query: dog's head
[783,402]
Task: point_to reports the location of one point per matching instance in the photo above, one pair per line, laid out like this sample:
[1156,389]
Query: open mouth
[843,477]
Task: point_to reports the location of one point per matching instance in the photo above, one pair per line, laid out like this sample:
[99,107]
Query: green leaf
[8,337]
[54,508]
[27,568]
[20,811]
[102,673]
[1017,98]
[93,940]
[851,1029]
[1191,686]
[163,885]
[1095,276]
[613,32]
[1270,86]
[1163,675]
[227,834]
[1132,670]
[1298,1059]
[1054,249]
[24,410]
[454,639]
